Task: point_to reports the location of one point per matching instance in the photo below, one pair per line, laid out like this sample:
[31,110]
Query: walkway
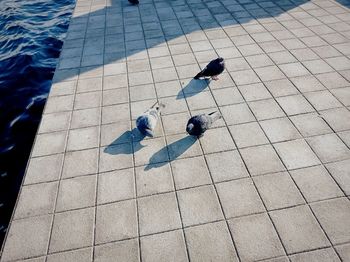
[271,180]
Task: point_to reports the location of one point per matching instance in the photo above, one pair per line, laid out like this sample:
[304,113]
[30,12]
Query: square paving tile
[269,73]
[337,118]
[116,221]
[116,133]
[59,104]
[115,186]
[210,242]
[266,109]
[123,251]
[140,78]
[158,213]
[322,100]
[332,80]
[307,83]
[315,183]
[85,118]
[190,172]
[278,191]
[281,87]
[244,77]
[254,92]
[343,95]
[151,151]
[72,230]
[311,124]
[154,180]
[182,146]
[109,113]
[199,205]
[87,100]
[227,96]
[216,140]
[47,144]
[262,160]
[79,163]
[255,237]
[175,123]
[296,154]
[239,198]
[43,169]
[249,134]
[54,122]
[27,238]
[340,171]
[280,129]
[318,66]
[115,96]
[298,229]
[334,218]
[225,166]
[83,138]
[173,105]
[294,105]
[161,247]
[294,69]
[200,101]
[36,200]
[77,192]
[115,157]
[329,148]
[237,114]
[89,85]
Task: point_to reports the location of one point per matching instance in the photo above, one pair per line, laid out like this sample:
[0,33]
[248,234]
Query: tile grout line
[132,139]
[93,255]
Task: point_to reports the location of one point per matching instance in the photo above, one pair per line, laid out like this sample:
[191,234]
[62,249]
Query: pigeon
[213,69]
[197,125]
[134,2]
[147,122]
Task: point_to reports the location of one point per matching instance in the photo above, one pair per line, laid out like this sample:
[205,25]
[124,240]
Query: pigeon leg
[215,78]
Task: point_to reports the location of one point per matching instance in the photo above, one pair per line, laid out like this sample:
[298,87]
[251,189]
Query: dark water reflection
[31,34]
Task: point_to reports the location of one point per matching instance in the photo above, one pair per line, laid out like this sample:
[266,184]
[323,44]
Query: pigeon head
[189,128]
[159,106]
[220,59]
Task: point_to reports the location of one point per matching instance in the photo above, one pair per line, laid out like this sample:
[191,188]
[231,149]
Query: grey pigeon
[213,69]
[197,125]
[146,123]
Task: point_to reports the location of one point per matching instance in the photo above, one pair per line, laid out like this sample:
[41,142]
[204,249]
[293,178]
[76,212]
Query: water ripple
[31,34]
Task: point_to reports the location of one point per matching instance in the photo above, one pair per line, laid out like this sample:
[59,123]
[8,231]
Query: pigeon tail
[215,116]
[147,132]
[200,74]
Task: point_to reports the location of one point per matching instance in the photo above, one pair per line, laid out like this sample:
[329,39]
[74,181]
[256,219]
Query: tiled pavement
[270,182]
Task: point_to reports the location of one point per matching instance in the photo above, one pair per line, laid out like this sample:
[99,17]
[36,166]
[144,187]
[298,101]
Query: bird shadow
[194,87]
[174,150]
[121,145]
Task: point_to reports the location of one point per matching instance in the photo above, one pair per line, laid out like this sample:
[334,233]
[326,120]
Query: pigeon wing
[213,68]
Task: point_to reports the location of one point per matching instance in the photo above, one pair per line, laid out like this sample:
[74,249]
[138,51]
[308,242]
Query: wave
[31,37]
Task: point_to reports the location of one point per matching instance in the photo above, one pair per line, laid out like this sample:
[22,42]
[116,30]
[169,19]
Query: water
[31,34]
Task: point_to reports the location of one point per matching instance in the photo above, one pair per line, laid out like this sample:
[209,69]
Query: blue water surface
[31,34]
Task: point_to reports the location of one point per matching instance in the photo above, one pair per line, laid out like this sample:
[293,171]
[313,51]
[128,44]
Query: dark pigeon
[134,2]
[213,69]
[198,124]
